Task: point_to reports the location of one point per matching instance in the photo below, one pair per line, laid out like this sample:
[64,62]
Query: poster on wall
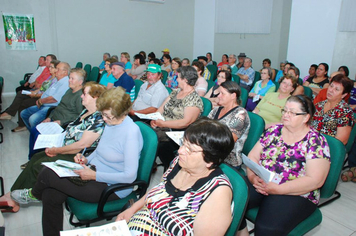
[19,31]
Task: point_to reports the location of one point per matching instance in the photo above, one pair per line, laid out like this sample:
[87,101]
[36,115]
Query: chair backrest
[277,85]
[207,106]
[102,74]
[351,137]
[300,81]
[337,155]
[87,69]
[138,84]
[211,84]
[257,78]
[240,197]
[213,71]
[164,77]
[236,78]
[243,96]
[94,74]
[257,126]
[79,65]
[169,90]
[308,92]
[148,152]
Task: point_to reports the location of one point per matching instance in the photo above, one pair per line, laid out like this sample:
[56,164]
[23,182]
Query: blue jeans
[32,116]
[33,137]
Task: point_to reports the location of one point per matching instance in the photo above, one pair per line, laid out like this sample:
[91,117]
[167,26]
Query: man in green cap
[152,93]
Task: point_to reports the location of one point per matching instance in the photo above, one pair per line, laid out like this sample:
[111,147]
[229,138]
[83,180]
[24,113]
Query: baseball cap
[154,68]
[165,50]
[119,63]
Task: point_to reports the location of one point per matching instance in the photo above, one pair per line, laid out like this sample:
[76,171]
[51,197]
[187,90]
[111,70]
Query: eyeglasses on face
[187,149]
[291,113]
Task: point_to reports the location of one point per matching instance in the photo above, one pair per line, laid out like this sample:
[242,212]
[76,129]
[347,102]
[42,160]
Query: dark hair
[232,87]
[326,66]
[213,137]
[200,65]
[156,61]
[143,53]
[267,60]
[44,58]
[346,69]
[306,105]
[211,56]
[315,66]
[345,81]
[227,56]
[228,76]
[289,63]
[52,56]
[269,71]
[55,63]
[188,73]
[295,69]
[111,60]
[168,57]
[141,59]
[152,55]
[178,60]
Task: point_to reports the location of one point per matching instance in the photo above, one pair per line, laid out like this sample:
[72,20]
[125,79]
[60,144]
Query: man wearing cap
[241,57]
[246,74]
[123,79]
[165,51]
[232,63]
[206,73]
[152,93]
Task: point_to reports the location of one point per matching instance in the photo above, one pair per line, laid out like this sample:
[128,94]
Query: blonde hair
[115,99]
[95,89]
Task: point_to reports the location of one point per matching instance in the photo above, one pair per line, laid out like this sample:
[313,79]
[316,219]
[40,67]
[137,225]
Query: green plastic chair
[87,213]
[87,69]
[236,78]
[337,154]
[243,97]
[164,77]
[213,71]
[79,65]
[257,126]
[277,85]
[138,84]
[211,84]
[240,197]
[169,90]
[93,75]
[300,81]
[257,78]
[207,107]
[308,92]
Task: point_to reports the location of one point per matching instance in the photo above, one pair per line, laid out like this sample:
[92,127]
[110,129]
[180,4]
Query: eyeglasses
[291,113]
[106,116]
[187,149]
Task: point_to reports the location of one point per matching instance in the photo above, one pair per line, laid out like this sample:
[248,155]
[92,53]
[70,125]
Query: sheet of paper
[118,228]
[256,98]
[151,116]
[26,92]
[262,172]
[49,140]
[49,128]
[59,170]
[68,164]
[176,136]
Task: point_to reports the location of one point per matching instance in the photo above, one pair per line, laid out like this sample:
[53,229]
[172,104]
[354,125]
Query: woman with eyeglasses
[194,196]
[108,79]
[83,132]
[116,160]
[299,157]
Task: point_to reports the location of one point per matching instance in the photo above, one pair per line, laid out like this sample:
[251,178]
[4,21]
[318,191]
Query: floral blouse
[288,161]
[75,129]
[172,80]
[339,116]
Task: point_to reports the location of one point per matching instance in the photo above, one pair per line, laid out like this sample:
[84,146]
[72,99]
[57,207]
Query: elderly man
[33,77]
[232,63]
[34,115]
[123,79]
[246,74]
[241,57]
[152,93]
[206,73]
[102,64]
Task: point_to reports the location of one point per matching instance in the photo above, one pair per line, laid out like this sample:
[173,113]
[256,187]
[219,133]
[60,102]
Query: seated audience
[281,72]
[213,93]
[171,81]
[125,58]
[246,74]
[116,160]
[138,68]
[269,108]
[224,61]
[312,71]
[185,62]
[31,81]
[122,78]
[294,71]
[181,108]
[266,63]
[166,65]
[102,64]
[344,70]
[299,155]
[206,73]
[261,88]
[234,117]
[226,67]
[209,56]
[108,79]
[83,132]
[201,86]
[334,116]
[150,56]
[194,172]
[320,81]
[165,52]
[241,58]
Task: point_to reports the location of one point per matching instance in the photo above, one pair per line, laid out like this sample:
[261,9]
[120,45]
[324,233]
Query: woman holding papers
[194,196]
[235,117]
[299,157]
[116,160]
[181,108]
[84,132]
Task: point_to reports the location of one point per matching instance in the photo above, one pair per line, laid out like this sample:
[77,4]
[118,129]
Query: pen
[81,160]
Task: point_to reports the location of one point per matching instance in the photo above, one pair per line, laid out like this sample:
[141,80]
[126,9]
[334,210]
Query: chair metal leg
[330,200]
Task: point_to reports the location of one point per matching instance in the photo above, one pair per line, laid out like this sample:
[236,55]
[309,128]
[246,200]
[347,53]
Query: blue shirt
[128,65]
[56,90]
[249,72]
[105,79]
[126,82]
[102,65]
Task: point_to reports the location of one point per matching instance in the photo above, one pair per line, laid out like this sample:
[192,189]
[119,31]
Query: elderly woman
[320,81]
[108,79]
[260,89]
[116,161]
[194,197]
[234,117]
[300,158]
[201,86]
[23,101]
[173,75]
[269,108]
[138,68]
[334,116]
[213,93]
[125,58]
[181,108]
[83,132]
[166,63]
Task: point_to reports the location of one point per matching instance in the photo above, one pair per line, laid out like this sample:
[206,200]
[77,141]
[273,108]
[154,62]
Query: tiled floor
[339,218]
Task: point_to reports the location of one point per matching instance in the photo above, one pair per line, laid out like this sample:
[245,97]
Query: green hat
[154,68]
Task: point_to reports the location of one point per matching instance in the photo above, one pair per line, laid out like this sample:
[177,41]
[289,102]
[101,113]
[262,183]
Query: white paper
[176,136]
[49,140]
[26,92]
[151,116]
[49,128]
[262,172]
[256,98]
[118,228]
[59,170]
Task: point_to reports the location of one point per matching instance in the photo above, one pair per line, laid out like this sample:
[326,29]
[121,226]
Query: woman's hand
[51,152]
[86,173]
[80,159]
[125,215]
[156,123]
[252,95]
[153,124]
[259,184]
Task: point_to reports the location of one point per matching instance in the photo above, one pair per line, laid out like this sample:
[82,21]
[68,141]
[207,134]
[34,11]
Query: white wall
[83,30]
